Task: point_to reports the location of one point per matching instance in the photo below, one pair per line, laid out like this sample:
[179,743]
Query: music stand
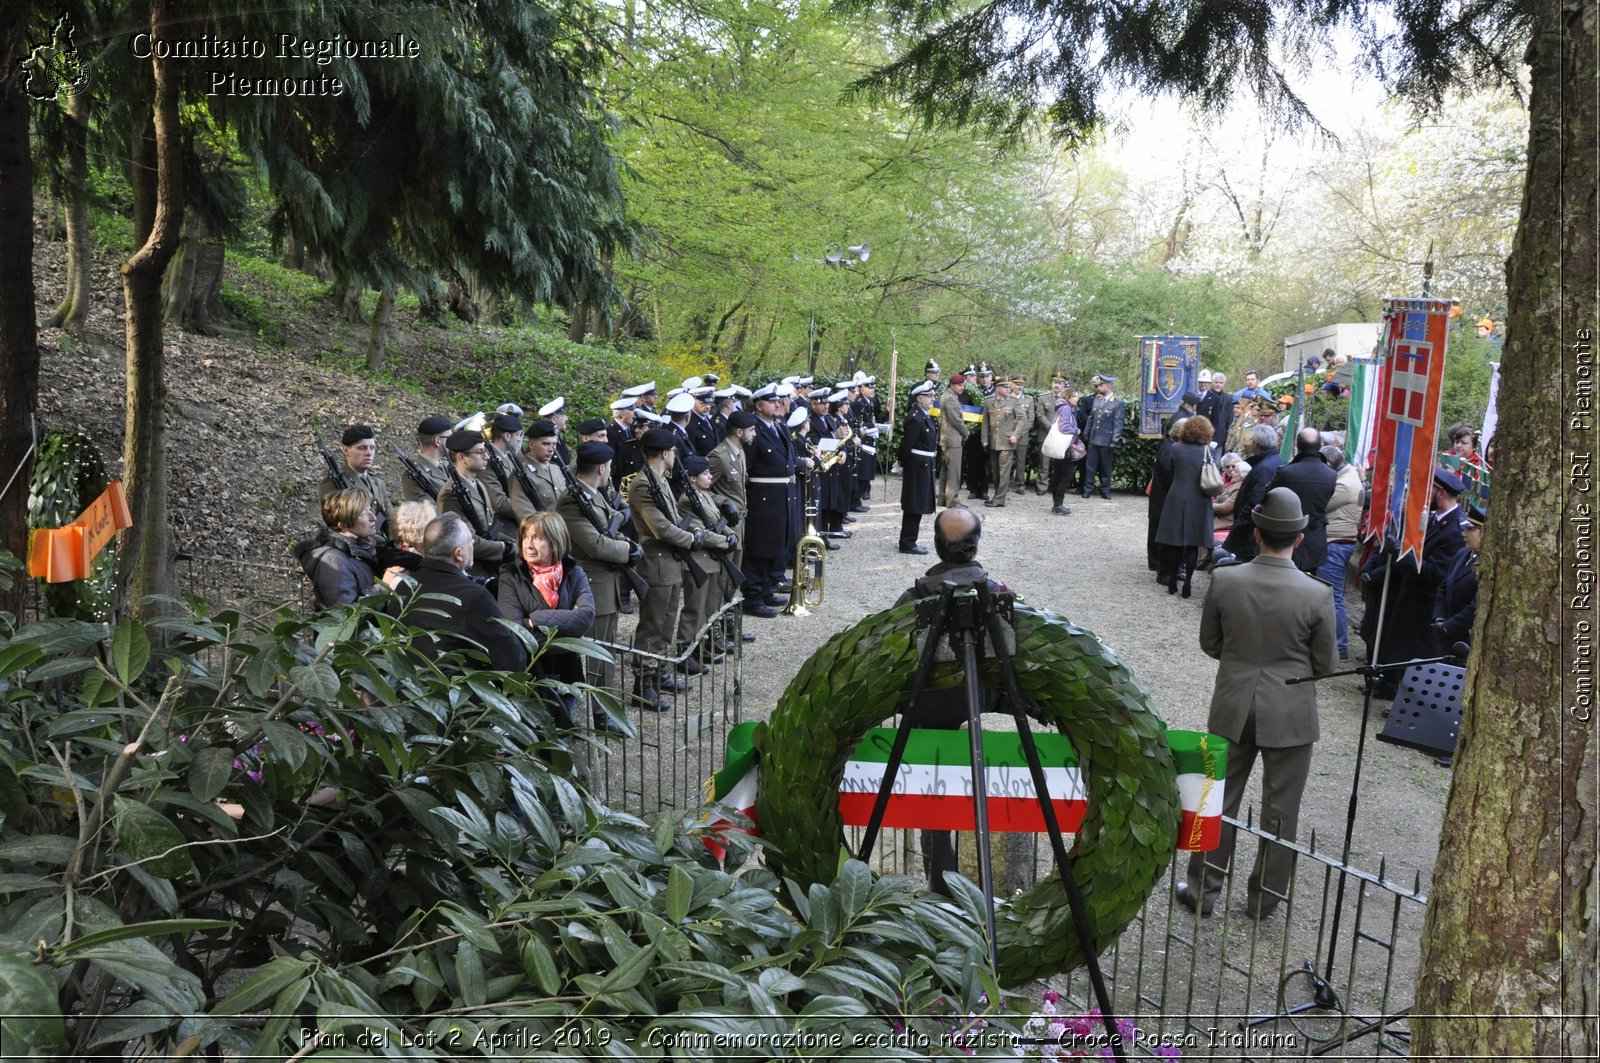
[961,618]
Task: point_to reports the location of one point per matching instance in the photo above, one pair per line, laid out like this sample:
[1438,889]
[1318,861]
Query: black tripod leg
[980,785]
[897,752]
[1030,752]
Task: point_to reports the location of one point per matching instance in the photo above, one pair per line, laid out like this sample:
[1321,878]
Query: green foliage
[256,313]
[68,474]
[995,65]
[311,828]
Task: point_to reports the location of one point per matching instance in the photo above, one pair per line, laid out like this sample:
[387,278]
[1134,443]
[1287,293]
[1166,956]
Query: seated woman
[1234,470]
[341,561]
[545,587]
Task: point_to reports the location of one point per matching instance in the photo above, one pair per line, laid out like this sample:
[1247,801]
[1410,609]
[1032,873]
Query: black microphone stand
[1323,996]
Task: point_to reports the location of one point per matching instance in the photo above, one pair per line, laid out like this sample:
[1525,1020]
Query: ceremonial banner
[1297,414]
[1415,334]
[934,788]
[1361,427]
[1169,366]
[1491,416]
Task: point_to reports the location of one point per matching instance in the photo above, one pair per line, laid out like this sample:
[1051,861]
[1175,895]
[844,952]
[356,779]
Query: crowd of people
[676,504]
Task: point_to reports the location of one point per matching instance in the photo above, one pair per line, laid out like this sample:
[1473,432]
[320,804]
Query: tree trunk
[142,179]
[19,342]
[347,297]
[1508,953]
[75,302]
[194,280]
[294,253]
[378,340]
[578,322]
[147,550]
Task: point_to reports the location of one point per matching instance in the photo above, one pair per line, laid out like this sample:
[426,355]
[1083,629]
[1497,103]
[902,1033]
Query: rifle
[414,471]
[720,528]
[459,486]
[341,482]
[696,573]
[608,531]
[520,471]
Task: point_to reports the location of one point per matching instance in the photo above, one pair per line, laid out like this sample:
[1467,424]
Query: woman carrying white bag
[1062,446]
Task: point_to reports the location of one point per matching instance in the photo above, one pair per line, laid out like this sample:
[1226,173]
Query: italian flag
[934,787]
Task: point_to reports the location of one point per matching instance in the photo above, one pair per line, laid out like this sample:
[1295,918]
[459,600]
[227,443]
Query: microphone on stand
[1462,650]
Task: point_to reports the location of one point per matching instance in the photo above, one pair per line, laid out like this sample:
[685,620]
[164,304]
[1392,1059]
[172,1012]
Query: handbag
[1056,443]
[1210,476]
[1078,451]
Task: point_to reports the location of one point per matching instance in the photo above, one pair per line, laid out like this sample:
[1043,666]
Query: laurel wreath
[863,675]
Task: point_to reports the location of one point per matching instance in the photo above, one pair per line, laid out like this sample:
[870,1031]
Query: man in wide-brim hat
[1265,621]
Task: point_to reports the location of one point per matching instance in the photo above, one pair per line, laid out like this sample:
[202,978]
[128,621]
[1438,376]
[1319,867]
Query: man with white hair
[474,627]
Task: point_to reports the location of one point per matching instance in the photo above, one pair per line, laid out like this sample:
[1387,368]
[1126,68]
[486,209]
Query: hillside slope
[243,406]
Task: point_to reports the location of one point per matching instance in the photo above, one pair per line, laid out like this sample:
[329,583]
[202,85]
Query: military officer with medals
[1002,427]
[467,493]
[1025,406]
[917,442]
[432,460]
[702,430]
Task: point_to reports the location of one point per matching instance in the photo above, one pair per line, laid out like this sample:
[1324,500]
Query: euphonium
[810,563]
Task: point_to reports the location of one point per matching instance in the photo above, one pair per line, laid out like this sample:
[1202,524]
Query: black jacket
[1241,540]
[473,625]
[1455,605]
[341,569]
[1312,480]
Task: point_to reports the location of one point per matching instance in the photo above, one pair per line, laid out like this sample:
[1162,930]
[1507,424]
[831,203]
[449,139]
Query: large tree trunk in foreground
[19,341]
[1508,956]
[378,338]
[75,303]
[194,280]
[147,550]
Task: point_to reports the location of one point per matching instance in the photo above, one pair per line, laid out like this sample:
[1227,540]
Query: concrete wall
[1356,340]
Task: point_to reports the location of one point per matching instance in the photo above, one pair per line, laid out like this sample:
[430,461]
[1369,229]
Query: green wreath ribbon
[863,675]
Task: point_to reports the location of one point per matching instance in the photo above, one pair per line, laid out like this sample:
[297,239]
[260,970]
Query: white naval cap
[923,388]
[627,403]
[799,417]
[692,383]
[639,389]
[509,407]
[553,407]
[680,403]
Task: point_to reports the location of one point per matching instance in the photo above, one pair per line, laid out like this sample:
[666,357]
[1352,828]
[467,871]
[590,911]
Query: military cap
[627,403]
[509,407]
[553,407]
[785,390]
[659,439]
[507,422]
[595,453]
[924,388]
[1018,378]
[433,426]
[651,417]
[461,442]
[712,379]
[957,379]
[1104,378]
[690,384]
[741,419]
[932,367]
[984,369]
[680,403]
[542,430]
[1448,480]
[726,393]
[638,390]
[1477,516]
[356,433]
[694,464]
[1191,398]
[799,417]
[591,426]
[765,393]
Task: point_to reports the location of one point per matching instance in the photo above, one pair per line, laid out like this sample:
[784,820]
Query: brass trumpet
[810,563]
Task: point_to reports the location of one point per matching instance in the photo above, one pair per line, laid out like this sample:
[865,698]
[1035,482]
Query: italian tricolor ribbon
[934,784]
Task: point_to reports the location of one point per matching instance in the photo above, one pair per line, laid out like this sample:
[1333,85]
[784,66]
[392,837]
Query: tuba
[810,562]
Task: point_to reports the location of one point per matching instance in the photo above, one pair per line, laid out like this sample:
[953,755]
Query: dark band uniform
[768,540]
[918,447]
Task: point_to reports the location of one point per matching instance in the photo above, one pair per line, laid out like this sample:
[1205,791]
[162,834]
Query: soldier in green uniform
[730,480]
[360,445]
[1001,430]
[432,459]
[700,602]
[603,556]
[665,542]
[1025,404]
[547,481]
[467,494]
[952,438]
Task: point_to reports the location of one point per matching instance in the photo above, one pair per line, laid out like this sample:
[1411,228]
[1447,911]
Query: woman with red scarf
[543,587]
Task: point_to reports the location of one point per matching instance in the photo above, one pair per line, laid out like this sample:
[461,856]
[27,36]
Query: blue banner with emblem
[1169,366]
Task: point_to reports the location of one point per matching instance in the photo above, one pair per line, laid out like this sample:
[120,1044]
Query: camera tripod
[959,625]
